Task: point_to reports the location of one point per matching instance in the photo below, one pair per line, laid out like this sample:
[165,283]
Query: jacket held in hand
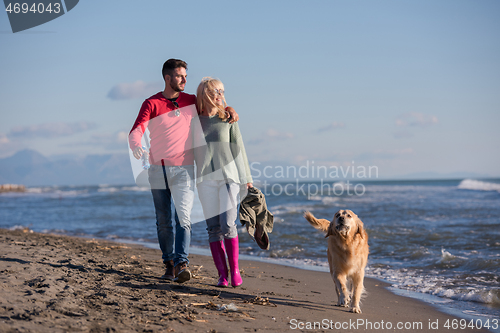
[255,216]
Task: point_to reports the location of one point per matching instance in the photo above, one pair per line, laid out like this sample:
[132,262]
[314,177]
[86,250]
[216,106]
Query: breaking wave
[477,185]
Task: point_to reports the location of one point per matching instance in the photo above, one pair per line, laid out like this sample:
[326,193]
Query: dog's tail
[320,224]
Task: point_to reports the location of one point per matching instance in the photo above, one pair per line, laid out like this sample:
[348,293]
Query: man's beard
[176,88]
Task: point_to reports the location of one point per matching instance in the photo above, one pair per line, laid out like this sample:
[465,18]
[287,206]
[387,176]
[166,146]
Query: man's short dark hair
[171,64]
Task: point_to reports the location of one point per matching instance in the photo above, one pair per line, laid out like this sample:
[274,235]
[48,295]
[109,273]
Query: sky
[408,87]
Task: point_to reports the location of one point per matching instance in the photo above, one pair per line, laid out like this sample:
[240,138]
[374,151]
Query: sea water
[439,239]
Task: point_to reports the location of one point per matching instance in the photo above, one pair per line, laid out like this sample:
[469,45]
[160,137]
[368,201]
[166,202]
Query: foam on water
[447,256]
[19,227]
[54,191]
[136,188]
[435,284]
[289,209]
[109,189]
[471,184]
[327,200]
[73,191]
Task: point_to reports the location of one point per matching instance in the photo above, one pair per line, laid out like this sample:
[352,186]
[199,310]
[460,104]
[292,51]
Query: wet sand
[51,283]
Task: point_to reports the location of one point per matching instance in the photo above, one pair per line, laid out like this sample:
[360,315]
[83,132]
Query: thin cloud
[272,135]
[4,139]
[330,127]
[118,137]
[138,89]
[385,154]
[416,119]
[402,135]
[108,141]
[277,135]
[118,140]
[50,130]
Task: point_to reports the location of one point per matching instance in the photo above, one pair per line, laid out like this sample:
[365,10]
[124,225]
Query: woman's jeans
[177,183]
[219,201]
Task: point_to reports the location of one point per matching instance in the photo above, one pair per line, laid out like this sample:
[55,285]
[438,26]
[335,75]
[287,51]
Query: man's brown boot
[182,273]
[169,271]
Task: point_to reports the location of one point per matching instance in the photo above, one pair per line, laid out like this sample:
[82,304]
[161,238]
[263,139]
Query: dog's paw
[356,310]
[344,301]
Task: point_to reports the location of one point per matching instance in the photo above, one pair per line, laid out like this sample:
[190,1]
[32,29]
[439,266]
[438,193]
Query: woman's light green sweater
[219,151]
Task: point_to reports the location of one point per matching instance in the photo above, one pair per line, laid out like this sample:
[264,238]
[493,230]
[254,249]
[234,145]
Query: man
[168,116]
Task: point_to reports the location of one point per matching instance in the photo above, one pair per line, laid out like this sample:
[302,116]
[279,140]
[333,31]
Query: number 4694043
[40,8]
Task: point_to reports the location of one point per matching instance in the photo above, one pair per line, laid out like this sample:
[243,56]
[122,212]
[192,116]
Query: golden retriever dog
[347,254]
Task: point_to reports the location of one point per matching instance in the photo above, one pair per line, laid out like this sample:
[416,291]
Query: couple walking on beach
[183,129]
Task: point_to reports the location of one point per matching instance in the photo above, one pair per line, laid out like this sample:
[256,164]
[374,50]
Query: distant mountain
[30,168]
[451,175]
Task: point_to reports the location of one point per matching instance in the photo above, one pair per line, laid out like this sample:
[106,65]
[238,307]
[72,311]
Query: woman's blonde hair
[205,94]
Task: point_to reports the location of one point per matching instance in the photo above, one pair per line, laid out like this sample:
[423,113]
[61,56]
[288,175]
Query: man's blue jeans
[177,183]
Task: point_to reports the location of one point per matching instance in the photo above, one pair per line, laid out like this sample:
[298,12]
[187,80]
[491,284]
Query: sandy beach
[51,283]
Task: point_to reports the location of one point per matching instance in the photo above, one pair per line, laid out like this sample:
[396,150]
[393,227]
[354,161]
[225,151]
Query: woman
[222,168]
